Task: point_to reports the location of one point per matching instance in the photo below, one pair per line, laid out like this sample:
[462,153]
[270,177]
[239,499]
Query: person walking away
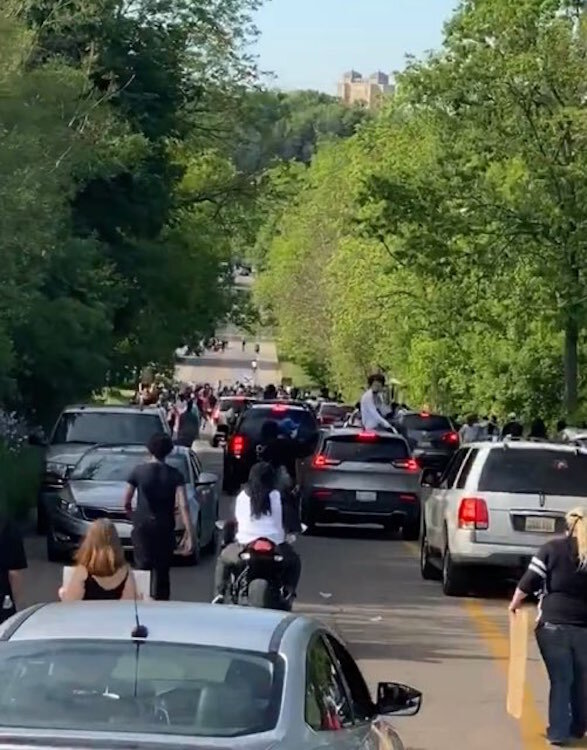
[470,431]
[101,570]
[512,428]
[12,562]
[244,344]
[188,426]
[559,572]
[160,493]
[538,430]
[371,417]
[258,513]
[257,349]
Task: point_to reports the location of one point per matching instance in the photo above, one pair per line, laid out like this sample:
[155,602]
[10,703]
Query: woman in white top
[258,514]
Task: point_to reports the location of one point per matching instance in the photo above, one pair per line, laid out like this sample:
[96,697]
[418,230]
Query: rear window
[108,428]
[334,410]
[417,424]
[351,448]
[237,404]
[303,421]
[533,471]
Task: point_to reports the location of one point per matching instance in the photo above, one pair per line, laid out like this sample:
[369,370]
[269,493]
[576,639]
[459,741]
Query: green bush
[20,476]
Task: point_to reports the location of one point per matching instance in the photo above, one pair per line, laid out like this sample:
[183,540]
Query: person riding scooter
[258,514]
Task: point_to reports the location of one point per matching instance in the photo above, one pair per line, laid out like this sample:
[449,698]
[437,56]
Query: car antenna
[139,630]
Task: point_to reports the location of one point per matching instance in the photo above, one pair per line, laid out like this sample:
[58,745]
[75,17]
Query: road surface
[400,627]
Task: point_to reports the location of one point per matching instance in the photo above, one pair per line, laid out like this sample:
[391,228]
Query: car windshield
[110,428]
[353,448]
[533,471]
[107,466]
[303,421]
[418,425]
[155,688]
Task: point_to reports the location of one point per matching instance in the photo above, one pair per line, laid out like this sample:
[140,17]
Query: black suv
[240,452]
[432,438]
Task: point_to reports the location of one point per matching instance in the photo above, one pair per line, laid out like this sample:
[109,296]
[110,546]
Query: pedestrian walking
[559,572]
[12,563]
[160,493]
[101,570]
[471,431]
[244,344]
[188,428]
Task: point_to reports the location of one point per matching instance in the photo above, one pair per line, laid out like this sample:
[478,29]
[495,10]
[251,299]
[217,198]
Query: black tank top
[93,590]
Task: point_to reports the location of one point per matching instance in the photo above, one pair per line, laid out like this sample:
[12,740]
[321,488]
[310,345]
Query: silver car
[356,476]
[495,505]
[73,675]
[95,489]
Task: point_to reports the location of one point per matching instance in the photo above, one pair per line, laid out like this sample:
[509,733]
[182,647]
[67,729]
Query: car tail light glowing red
[279,408]
[367,436]
[262,545]
[473,514]
[237,446]
[425,414]
[409,498]
[322,462]
[408,464]
[452,438]
[321,494]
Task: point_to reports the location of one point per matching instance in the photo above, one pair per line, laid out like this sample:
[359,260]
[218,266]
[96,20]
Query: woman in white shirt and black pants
[258,513]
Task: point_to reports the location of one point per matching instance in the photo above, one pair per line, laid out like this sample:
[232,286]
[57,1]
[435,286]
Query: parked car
[331,413]
[232,406]
[495,504]
[95,489]
[362,477]
[204,676]
[241,451]
[432,438]
[79,427]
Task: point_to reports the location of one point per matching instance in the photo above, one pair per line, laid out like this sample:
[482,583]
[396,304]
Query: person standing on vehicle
[470,432]
[12,562]
[160,491]
[559,572]
[258,513]
[371,417]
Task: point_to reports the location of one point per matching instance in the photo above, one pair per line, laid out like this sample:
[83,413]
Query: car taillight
[473,514]
[321,462]
[279,408]
[237,446]
[262,545]
[408,464]
[367,437]
[451,438]
[321,494]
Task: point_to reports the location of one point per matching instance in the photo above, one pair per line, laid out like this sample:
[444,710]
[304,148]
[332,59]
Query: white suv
[495,504]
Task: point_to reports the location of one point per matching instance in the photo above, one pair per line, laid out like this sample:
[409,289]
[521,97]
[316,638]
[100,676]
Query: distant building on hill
[354,89]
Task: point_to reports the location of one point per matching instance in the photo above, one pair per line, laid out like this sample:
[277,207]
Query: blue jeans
[564,650]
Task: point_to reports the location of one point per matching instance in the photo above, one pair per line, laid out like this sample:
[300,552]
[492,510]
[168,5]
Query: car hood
[107,495]
[66,453]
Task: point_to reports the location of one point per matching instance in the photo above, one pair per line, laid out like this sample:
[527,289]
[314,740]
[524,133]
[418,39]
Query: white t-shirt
[249,528]
[371,418]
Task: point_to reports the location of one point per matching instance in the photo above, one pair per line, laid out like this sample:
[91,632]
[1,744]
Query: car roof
[353,431]
[113,409]
[244,628]
[516,444]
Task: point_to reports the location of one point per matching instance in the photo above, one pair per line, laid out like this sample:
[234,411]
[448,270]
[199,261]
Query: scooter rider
[258,513]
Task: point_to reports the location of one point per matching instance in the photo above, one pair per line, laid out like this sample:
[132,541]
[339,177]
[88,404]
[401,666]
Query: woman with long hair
[258,513]
[559,572]
[101,570]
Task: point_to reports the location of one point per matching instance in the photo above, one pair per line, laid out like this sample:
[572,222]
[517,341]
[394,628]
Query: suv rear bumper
[465,551]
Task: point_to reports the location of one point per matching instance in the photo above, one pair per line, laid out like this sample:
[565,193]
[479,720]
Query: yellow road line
[532,723]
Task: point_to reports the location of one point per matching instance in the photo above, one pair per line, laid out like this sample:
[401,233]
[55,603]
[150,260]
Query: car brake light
[367,436]
[452,438]
[237,446]
[262,545]
[425,414]
[279,408]
[473,514]
[408,464]
[321,494]
[321,462]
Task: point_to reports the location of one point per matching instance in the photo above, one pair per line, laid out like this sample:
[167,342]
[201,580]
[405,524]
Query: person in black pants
[559,572]
[160,490]
[12,563]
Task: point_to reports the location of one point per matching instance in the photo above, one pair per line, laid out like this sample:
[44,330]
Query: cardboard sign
[142,581]
[519,625]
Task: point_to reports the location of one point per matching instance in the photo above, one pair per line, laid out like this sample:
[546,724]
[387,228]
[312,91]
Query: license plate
[540,524]
[367,497]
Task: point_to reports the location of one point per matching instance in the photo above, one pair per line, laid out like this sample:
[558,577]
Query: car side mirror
[397,699]
[207,479]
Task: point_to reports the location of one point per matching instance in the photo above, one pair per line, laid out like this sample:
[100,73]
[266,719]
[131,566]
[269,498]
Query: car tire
[411,531]
[454,581]
[428,570]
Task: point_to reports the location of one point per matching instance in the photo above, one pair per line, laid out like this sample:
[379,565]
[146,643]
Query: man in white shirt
[371,417]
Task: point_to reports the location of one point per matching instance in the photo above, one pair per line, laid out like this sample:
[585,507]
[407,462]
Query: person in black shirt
[160,490]
[12,562]
[558,573]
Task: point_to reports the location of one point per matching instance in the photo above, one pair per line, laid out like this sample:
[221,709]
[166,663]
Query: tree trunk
[571,367]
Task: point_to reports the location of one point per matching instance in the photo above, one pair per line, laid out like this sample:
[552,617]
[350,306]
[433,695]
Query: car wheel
[453,576]
[428,570]
[411,531]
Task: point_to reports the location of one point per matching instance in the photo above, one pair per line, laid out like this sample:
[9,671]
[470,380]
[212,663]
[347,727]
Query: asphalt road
[400,627]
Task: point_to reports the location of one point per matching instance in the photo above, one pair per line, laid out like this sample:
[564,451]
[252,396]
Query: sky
[309,44]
